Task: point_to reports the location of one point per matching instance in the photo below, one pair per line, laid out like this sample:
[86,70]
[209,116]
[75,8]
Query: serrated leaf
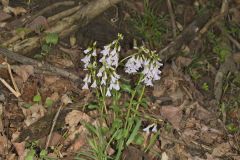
[37,98]
[30,155]
[139,139]
[92,106]
[48,102]
[52,38]
[126,88]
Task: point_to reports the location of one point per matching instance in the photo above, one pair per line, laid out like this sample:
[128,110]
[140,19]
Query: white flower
[154,129]
[153,126]
[133,65]
[108,94]
[86,60]
[106,50]
[104,79]
[85,86]
[94,85]
[94,53]
[86,51]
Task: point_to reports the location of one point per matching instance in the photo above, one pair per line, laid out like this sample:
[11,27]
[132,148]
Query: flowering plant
[103,79]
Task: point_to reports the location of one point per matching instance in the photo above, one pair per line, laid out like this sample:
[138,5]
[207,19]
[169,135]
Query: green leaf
[43,153]
[126,88]
[37,98]
[30,155]
[117,123]
[52,38]
[134,132]
[93,106]
[139,139]
[48,102]
[27,105]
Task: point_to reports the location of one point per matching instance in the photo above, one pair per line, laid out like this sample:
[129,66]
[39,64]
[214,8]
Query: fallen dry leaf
[24,71]
[55,139]
[78,143]
[34,113]
[15,10]
[75,117]
[4,144]
[66,100]
[221,150]
[20,148]
[37,24]
[4,16]
[5,3]
[164,156]
[183,61]
[172,114]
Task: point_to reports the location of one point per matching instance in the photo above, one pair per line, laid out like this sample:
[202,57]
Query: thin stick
[16,94]
[12,79]
[53,125]
[170,10]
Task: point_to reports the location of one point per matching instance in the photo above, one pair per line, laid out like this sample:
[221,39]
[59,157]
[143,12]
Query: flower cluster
[148,61]
[102,72]
[102,66]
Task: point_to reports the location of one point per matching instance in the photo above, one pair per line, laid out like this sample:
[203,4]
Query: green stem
[131,102]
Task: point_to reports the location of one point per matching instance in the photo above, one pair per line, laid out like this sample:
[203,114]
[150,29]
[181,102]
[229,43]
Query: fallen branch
[39,65]
[170,10]
[185,37]
[82,17]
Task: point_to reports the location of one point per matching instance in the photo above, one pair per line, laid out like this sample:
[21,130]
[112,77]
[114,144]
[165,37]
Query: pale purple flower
[108,94]
[94,85]
[86,51]
[85,86]
[94,53]
[133,65]
[86,60]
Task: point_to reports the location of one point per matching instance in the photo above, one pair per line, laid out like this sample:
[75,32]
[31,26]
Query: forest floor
[192,112]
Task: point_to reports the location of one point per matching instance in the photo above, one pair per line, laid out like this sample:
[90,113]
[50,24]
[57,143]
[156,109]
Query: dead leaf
[4,16]
[172,114]
[20,148]
[5,3]
[34,113]
[24,71]
[16,11]
[55,139]
[183,61]
[236,57]
[164,156]
[75,117]
[66,100]
[221,150]
[78,143]
[50,79]
[4,144]
[38,23]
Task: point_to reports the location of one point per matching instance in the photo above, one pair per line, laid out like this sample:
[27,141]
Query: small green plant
[219,46]
[104,81]
[150,26]
[205,86]
[50,40]
[32,154]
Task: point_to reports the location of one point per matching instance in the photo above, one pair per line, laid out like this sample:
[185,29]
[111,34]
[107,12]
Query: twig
[13,81]
[185,37]
[39,65]
[53,125]
[170,10]
[16,94]
[49,8]
[234,41]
